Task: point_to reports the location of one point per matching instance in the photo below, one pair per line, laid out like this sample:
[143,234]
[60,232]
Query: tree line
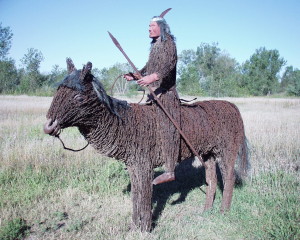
[206,71]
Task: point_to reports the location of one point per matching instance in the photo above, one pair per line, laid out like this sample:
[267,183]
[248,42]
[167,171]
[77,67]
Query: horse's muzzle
[51,127]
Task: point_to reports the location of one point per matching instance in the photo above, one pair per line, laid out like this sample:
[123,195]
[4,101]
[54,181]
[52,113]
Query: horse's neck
[105,131]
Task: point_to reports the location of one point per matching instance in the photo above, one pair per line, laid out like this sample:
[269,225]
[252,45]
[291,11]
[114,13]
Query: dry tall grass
[80,203]
[273,129]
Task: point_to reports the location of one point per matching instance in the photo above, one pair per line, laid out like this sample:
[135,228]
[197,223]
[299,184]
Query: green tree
[9,78]
[31,78]
[188,81]
[48,83]
[223,79]
[186,57]
[57,75]
[8,72]
[195,68]
[208,71]
[290,81]
[261,72]
[286,77]
[5,41]
[32,60]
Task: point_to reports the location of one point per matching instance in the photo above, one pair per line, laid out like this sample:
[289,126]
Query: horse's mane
[75,82]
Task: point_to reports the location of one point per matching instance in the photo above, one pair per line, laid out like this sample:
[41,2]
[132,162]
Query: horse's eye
[79,98]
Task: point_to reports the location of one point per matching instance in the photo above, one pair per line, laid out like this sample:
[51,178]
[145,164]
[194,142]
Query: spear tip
[113,38]
[110,34]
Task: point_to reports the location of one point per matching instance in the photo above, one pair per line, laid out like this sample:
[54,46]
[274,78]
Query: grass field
[50,193]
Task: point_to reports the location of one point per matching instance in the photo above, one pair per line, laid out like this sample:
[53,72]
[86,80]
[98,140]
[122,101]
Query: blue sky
[78,29]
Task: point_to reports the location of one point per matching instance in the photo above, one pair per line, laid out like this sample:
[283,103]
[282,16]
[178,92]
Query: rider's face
[154,30]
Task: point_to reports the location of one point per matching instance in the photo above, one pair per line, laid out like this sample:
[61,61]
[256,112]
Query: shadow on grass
[188,178]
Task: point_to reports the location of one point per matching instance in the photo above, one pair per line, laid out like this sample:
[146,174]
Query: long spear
[115,41]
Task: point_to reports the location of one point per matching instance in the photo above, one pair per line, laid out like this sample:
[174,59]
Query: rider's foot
[165,177]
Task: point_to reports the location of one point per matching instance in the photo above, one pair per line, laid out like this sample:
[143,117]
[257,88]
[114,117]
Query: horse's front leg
[141,195]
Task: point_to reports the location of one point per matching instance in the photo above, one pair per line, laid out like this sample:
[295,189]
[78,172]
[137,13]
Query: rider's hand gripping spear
[158,101]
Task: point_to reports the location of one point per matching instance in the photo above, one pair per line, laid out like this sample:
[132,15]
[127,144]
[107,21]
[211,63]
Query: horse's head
[78,99]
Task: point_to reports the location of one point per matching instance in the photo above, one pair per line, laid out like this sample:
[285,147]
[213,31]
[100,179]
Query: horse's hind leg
[229,180]
[211,180]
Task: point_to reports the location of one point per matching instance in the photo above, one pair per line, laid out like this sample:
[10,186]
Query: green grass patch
[23,186]
[14,229]
[268,207]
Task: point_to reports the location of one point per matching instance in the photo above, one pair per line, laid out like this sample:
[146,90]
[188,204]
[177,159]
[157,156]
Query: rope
[70,149]
[112,87]
[184,100]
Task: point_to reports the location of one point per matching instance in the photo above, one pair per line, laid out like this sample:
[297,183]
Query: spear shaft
[158,101]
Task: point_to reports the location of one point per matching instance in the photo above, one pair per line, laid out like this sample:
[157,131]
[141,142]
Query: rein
[70,149]
[111,89]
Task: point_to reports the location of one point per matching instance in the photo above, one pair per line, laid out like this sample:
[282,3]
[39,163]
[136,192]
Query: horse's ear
[70,65]
[85,70]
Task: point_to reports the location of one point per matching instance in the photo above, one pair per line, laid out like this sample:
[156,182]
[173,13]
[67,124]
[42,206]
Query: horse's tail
[243,161]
